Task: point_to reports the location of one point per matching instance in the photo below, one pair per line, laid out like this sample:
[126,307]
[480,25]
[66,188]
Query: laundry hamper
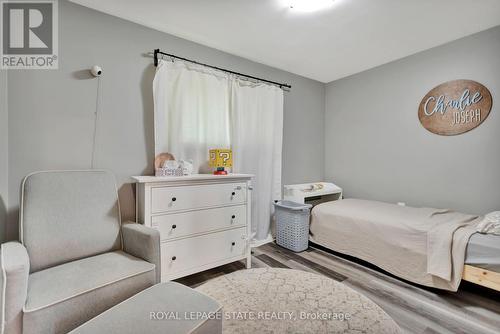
[292,225]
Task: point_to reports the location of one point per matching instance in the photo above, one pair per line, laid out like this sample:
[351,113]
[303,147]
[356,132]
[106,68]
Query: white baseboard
[257,243]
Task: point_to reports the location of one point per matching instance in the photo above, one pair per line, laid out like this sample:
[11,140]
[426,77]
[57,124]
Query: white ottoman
[164,308]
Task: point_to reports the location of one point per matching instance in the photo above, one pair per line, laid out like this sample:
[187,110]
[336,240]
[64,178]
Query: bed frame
[483,277]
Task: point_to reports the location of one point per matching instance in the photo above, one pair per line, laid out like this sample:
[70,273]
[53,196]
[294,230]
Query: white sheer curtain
[191,111]
[197,108]
[256,138]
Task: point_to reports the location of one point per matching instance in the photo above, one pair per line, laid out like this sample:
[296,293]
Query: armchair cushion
[142,242]
[63,297]
[68,215]
[15,268]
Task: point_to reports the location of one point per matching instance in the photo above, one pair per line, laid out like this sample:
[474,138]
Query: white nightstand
[312,193]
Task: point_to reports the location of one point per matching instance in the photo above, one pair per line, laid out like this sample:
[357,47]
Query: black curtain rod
[157,52]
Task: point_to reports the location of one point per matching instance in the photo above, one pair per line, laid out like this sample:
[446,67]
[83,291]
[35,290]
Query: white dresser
[203,220]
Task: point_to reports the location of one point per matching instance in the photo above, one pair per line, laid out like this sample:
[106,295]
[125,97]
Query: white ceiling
[349,37]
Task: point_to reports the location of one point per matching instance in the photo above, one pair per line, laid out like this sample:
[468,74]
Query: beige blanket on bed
[422,245]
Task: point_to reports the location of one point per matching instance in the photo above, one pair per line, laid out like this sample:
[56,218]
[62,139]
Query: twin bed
[431,247]
[482,261]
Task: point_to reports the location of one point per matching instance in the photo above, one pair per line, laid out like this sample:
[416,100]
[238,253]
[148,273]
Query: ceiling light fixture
[309,5]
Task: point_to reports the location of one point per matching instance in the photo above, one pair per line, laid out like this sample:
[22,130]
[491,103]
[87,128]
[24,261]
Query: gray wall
[51,112]
[4,152]
[376,148]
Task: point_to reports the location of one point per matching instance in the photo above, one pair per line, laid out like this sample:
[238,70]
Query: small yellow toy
[220,159]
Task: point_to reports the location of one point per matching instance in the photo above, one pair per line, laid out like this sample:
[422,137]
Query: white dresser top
[193,177]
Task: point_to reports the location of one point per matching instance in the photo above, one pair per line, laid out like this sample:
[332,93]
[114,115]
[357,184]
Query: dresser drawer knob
[174,258]
[233,216]
[174,199]
[174,226]
[233,243]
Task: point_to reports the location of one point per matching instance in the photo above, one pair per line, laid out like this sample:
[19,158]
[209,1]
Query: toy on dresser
[220,159]
[166,165]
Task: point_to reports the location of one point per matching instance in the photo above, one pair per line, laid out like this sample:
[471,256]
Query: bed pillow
[490,223]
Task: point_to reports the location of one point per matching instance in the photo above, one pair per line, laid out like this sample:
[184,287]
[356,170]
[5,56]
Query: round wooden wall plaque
[455,107]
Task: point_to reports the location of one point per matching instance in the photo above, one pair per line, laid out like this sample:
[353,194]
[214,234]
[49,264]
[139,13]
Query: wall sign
[455,107]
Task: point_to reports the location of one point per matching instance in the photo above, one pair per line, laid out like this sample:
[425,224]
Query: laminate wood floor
[471,310]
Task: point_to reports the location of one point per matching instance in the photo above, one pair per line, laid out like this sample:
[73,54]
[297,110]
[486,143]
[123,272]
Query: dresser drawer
[185,254]
[176,225]
[166,199]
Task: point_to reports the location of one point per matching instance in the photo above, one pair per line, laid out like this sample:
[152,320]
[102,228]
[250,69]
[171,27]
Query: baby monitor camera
[96,71]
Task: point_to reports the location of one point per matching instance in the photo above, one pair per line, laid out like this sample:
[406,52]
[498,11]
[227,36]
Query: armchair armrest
[142,242]
[15,265]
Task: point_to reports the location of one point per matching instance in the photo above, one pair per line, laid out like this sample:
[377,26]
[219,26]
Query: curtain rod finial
[156,51]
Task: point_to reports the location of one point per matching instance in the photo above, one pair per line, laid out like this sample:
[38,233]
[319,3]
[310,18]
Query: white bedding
[490,224]
[422,245]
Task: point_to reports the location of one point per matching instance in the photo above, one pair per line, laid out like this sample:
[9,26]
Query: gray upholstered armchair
[75,259]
